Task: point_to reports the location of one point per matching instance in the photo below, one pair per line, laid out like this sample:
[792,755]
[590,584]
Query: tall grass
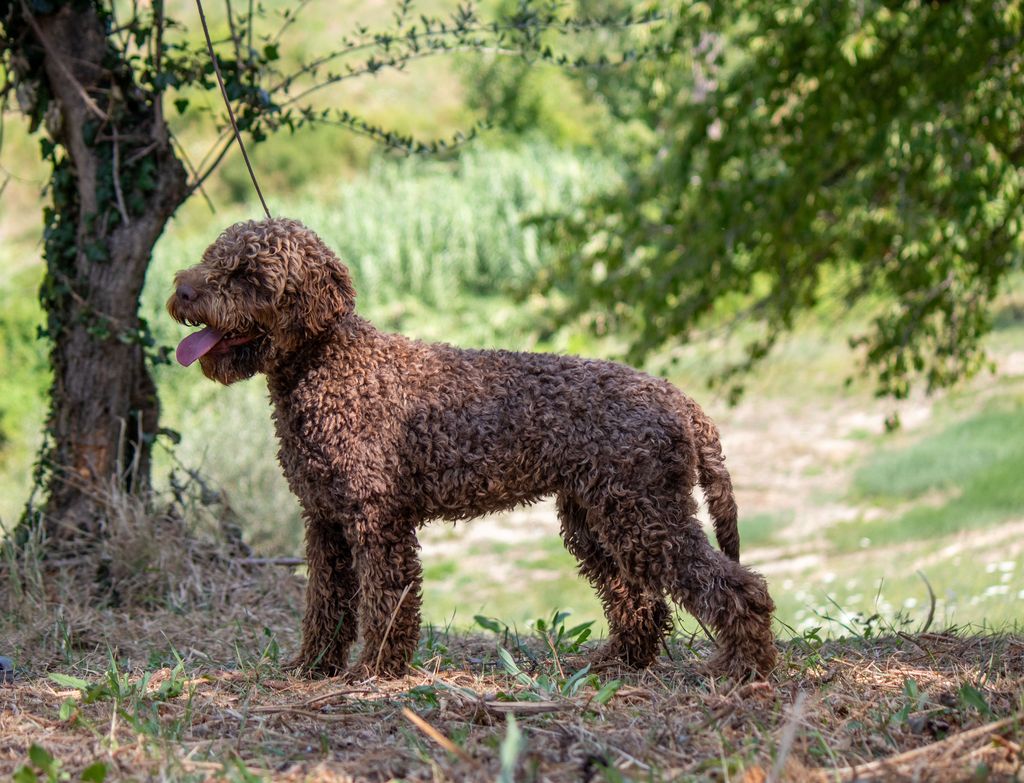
[428,230]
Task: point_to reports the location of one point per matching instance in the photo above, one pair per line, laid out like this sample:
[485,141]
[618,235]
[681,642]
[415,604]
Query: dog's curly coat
[379,434]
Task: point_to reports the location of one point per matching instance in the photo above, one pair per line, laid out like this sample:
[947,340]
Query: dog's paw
[613,656]
[303,665]
[759,665]
[383,669]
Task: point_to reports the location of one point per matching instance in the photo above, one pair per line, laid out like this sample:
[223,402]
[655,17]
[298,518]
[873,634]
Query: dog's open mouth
[207,340]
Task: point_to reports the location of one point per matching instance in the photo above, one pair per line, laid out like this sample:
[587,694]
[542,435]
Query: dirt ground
[934,707]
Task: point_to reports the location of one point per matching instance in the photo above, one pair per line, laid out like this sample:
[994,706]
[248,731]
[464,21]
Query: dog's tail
[715,481]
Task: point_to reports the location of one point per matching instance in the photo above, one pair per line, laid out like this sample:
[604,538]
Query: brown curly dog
[379,434]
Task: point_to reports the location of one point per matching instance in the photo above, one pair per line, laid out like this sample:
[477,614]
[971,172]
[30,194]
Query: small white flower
[1007,565]
[910,603]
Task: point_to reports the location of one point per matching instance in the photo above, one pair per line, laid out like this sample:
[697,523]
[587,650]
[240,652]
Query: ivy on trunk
[114,183]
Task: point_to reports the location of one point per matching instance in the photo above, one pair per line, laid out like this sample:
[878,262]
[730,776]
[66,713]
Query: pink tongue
[196,344]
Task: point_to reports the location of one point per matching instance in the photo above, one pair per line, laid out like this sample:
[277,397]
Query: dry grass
[180,677]
[846,712]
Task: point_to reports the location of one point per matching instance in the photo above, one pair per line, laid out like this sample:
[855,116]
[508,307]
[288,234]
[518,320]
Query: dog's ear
[317,289]
[322,291]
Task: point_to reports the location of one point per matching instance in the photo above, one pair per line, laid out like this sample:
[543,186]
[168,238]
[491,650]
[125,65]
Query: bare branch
[396,64]
[116,166]
[437,37]
[235,40]
[291,15]
[183,154]
[212,166]
[58,59]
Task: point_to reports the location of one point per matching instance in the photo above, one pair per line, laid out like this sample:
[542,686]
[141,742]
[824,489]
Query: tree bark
[116,182]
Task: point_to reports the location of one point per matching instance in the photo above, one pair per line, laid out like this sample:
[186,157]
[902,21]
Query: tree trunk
[115,183]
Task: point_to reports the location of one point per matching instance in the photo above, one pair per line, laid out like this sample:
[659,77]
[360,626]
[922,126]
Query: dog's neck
[345,335]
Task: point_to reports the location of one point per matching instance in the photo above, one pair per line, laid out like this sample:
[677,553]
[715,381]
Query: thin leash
[227,103]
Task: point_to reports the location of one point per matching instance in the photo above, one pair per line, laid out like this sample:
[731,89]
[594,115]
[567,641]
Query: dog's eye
[249,280]
[244,274]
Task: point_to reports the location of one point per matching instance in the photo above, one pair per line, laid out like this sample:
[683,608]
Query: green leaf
[971,697]
[576,630]
[25,775]
[573,683]
[509,662]
[512,667]
[41,757]
[67,709]
[70,682]
[95,772]
[488,622]
[608,690]
[511,749]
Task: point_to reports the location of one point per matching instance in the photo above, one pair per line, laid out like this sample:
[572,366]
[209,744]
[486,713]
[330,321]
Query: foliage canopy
[867,151]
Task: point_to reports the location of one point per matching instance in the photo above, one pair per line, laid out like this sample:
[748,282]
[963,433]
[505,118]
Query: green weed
[132,699]
[43,766]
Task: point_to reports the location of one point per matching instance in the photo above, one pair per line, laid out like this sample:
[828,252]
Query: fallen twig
[436,735]
[277,561]
[796,712]
[860,770]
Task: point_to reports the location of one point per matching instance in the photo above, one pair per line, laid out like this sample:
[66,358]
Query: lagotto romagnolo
[380,434]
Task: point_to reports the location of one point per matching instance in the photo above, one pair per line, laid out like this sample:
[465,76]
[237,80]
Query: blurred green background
[853,525]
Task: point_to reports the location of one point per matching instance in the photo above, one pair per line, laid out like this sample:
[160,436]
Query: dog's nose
[187,293]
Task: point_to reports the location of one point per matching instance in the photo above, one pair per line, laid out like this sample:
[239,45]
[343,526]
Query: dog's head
[261,291]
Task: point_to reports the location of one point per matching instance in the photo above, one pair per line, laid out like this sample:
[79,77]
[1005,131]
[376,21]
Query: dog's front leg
[331,621]
[387,563]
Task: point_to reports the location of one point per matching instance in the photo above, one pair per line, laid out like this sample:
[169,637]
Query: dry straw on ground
[183,680]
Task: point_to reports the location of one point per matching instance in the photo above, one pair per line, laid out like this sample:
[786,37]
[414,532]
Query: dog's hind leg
[330,623]
[731,599]
[656,544]
[638,619]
